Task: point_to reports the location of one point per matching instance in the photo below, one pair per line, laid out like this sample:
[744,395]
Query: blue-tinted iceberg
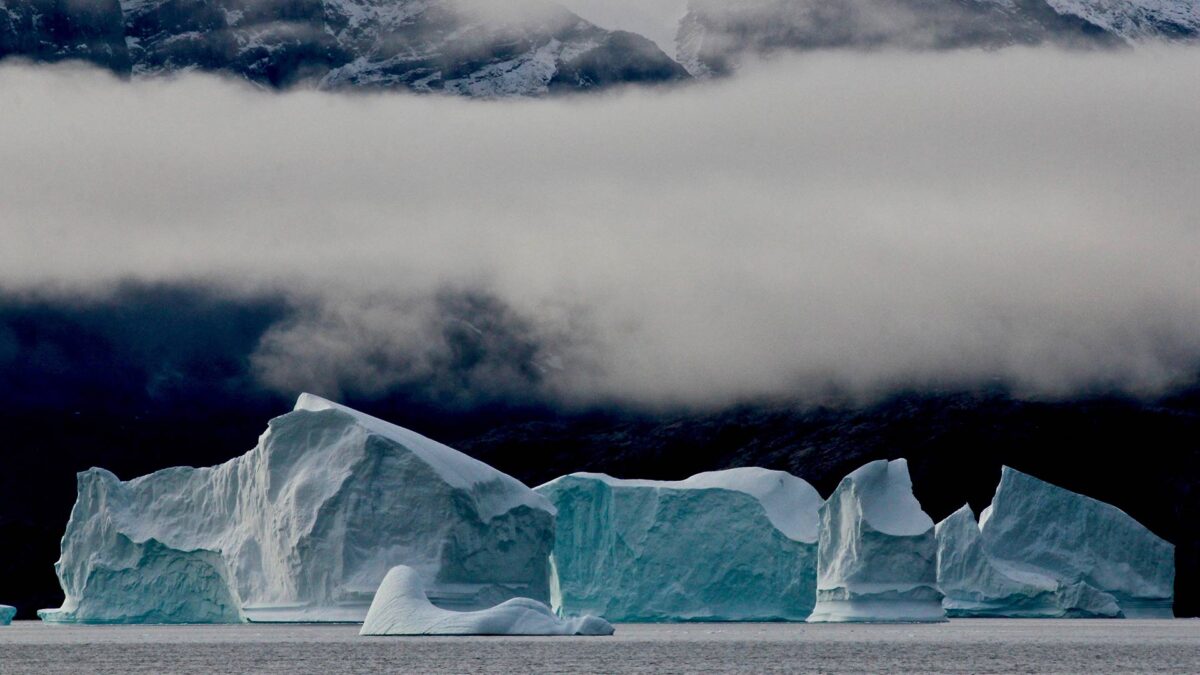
[877,555]
[7,612]
[145,582]
[401,607]
[975,585]
[1069,555]
[736,545]
[302,528]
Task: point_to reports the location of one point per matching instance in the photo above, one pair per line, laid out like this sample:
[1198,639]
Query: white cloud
[846,221]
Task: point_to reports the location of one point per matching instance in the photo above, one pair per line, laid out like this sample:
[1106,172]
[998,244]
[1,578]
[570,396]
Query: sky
[835,223]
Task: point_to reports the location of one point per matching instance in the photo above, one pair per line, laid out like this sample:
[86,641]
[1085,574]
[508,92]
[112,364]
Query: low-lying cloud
[837,223]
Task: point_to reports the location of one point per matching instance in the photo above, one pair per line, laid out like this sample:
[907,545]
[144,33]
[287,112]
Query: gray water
[977,646]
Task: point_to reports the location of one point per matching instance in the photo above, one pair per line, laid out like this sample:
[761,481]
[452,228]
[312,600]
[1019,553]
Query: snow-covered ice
[7,612]
[1046,551]
[302,528]
[402,608]
[877,555]
[735,545]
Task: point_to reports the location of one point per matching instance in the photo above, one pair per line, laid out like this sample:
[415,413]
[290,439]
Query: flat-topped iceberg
[975,585]
[735,545]
[7,612]
[1086,557]
[877,555]
[401,607]
[302,528]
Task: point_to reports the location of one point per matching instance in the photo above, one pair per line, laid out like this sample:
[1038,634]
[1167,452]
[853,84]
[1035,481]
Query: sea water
[980,646]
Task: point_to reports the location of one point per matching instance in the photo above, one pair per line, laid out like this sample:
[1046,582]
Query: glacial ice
[735,545]
[1041,550]
[302,528]
[877,555]
[401,607]
[975,585]
[7,612]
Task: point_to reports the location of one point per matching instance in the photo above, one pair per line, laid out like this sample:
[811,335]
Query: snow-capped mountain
[715,34]
[454,46]
[1136,19]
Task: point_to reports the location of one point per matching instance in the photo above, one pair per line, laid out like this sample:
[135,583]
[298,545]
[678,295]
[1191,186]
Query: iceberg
[401,607]
[7,612]
[302,528]
[735,545]
[975,585]
[876,553]
[148,582]
[1087,557]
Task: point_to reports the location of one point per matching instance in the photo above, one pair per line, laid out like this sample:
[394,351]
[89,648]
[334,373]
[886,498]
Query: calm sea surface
[976,646]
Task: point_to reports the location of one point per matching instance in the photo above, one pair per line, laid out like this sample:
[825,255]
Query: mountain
[57,30]
[452,46]
[715,35]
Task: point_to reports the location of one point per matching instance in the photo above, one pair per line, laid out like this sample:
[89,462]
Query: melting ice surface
[402,608]
[7,612]
[877,552]
[735,545]
[1041,550]
[302,528]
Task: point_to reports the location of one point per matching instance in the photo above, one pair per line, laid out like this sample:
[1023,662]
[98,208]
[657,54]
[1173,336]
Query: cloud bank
[839,223]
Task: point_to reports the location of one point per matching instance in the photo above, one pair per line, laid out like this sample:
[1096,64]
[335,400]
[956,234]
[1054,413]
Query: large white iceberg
[1041,550]
[7,612]
[302,528]
[735,545]
[877,555]
[975,585]
[401,607]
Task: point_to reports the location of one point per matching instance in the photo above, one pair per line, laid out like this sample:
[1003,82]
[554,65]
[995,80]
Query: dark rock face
[621,57]
[447,46]
[715,35]
[58,30]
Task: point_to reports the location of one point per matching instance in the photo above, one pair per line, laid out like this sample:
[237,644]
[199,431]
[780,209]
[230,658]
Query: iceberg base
[7,612]
[878,611]
[401,607]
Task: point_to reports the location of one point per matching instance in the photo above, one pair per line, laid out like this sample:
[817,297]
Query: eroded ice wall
[735,545]
[877,555]
[303,528]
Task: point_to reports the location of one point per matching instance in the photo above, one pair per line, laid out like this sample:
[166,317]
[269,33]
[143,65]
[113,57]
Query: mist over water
[846,223]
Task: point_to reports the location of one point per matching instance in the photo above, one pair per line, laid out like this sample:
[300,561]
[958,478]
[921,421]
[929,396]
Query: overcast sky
[847,222]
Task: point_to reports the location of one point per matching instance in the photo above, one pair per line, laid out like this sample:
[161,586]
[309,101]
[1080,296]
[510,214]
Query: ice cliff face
[736,545]
[1039,533]
[452,46]
[714,35]
[7,612]
[877,555]
[401,607]
[978,586]
[302,528]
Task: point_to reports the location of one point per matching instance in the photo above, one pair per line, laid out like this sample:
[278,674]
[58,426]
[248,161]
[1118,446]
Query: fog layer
[839,223]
